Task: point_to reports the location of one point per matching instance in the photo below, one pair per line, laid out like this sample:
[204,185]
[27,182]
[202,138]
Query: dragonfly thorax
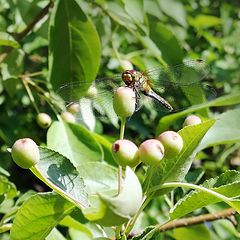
[130,77]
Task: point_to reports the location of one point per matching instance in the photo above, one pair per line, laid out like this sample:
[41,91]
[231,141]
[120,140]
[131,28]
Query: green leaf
[152,7]
[109,209]
[98,177]
[72,223]
[107,149]
[134,8]
[10,85]
[74,142]
[28,10]
[38,216]
[227,184]
[117,12]
[8,40]
[175,169]
[226,100]
[55,234]
[192,232]
[58,173]
[175,10]
[165,40]
[204,21]
[226,130]
[7,188]
[74,51]
[128,202]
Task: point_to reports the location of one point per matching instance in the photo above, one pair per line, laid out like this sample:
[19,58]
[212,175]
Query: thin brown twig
[225,214]
[19,36]
[228,214]
[31,25]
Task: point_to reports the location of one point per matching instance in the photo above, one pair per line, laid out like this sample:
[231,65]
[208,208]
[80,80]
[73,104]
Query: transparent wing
[73,91]
[187,73]
[95,99]
[181,85]
[183,97]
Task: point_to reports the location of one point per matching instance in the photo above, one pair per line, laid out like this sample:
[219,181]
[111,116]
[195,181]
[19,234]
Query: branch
[225,214]
[29,28]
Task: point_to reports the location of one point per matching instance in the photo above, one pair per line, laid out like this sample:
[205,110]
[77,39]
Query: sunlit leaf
[74,51]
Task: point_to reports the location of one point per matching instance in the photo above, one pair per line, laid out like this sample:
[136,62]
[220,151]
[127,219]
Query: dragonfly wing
[187,73]
[95,99]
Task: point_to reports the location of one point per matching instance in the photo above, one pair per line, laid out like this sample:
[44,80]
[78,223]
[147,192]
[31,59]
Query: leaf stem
[29,92]
[122,129]
[131,223]
[192,186]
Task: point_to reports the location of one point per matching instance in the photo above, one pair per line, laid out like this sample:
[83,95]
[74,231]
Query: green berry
[124,102]
[151,152]
[125,153]
[192,120]
[44,120]
[73,108]
[92,92]
[25,153]
[68,117]
[172,143]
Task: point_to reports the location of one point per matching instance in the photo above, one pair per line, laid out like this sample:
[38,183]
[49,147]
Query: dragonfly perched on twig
[155,83]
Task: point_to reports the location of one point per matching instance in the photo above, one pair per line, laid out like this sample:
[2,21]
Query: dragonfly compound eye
[127,78]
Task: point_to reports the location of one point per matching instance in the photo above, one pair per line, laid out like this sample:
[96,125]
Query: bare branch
[225,214]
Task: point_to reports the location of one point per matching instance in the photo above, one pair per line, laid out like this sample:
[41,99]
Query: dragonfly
[155,83]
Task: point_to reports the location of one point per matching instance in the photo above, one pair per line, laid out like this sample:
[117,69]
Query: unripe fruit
[172,143]
[124,102]
[73,108]
[44,120]
[125,153]
[92,92]
[68,117]
[151,152]
[25,153]
[192,120]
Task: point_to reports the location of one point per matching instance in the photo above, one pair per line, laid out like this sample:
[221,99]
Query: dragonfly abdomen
[158,98]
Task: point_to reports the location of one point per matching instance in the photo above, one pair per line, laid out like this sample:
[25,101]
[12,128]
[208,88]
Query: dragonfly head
[130,77]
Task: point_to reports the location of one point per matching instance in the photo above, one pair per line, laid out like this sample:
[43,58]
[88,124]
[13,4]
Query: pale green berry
[125,153]
[172,143]
[44,120]
[92,92]
[25,153]
[192,120]
[124,102]
[68,117]
[151,152]
[73,108]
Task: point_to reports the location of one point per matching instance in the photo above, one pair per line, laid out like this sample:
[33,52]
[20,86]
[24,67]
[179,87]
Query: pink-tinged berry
[44,120]
[192,120]
[151,152]
[172,143]
[124,102]
[73,108]
[68,117]
[25,153]
[125,153]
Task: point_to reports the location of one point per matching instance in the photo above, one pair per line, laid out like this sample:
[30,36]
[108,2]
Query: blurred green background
[53,43]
